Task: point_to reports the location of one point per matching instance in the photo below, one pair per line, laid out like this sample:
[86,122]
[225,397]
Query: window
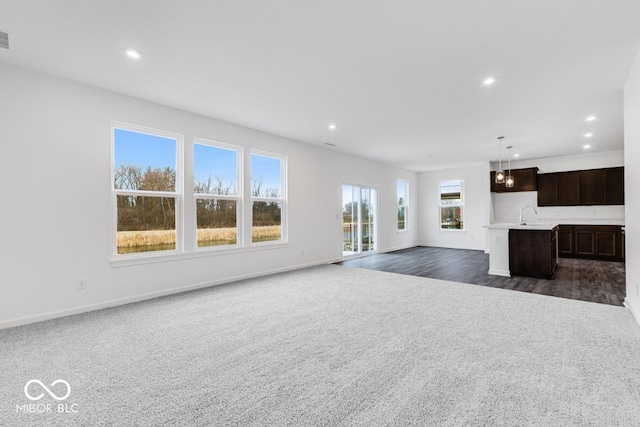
[146,190]
[217,188]
[238,201]
[268,198]
[452,205]
[403,199]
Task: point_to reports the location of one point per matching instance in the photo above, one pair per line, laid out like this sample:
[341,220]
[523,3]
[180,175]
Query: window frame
[177,194]
[461,204]
[185,197]
[238,197]
[404,205]
[284,235]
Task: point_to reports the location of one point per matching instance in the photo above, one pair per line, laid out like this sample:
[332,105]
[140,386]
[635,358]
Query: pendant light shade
[509,181]
[500,177]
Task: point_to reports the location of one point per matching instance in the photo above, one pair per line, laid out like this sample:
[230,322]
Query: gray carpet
[331,346]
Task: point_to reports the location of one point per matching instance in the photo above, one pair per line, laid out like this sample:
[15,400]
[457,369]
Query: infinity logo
[26,390]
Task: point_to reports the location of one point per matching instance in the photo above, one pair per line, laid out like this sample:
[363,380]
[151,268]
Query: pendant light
[509,182]
[500,172]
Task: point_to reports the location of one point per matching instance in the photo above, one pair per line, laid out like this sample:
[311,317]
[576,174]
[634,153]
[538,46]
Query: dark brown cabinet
[577,188]
[598,242]
[593,187]
[533,253]
[568,188]
[566,238]
[603,242]
[615,186]
[548,189]
[559,189]
[524,180]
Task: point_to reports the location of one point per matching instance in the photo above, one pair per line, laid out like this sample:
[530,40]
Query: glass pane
[451,218]
[146,224]
[401,221]
[450,193]
[216,222]
[350,231]
[266,222]
[367,210]
[402,192]
[215,170]
[266,176]
[144,162]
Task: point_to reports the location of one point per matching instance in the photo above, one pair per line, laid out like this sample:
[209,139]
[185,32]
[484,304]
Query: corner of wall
[635,311]
[632,180]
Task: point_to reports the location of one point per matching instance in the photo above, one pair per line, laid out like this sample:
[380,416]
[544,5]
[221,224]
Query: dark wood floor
[586,280]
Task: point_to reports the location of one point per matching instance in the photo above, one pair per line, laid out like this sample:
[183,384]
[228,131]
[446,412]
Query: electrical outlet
[82,284]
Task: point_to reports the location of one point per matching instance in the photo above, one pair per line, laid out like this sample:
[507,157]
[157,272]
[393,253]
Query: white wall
[632,181]
[57,221]
[587,160]
[476,208]
[506,206]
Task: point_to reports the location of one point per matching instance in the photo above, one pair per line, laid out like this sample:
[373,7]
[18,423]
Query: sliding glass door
[359,213]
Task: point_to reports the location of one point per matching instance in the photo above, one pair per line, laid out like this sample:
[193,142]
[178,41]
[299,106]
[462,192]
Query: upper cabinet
[548,189]
[593,187]
[615,186]
[568,188]
[587,187]
[559,189]
[524,180]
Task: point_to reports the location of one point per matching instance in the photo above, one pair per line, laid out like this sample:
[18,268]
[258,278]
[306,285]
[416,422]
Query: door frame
[374,205]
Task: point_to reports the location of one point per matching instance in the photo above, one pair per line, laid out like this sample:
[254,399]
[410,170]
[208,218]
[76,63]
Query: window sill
[129,260]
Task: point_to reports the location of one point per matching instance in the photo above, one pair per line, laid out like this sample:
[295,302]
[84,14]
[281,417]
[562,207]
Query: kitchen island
[523,249]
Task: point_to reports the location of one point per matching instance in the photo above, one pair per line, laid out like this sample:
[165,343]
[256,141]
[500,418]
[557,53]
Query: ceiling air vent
[4,40]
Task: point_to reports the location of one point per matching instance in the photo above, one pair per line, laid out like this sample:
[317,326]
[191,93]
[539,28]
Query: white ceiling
[402,79]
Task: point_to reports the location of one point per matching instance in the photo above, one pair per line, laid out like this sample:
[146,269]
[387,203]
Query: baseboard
[19,321]
[396,248]
[497,272]
[430,245]
[636,316]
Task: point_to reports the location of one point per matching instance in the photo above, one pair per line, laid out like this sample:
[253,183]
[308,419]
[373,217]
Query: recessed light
[586,147]
[332,126]
[588,135]
[516,155]
[590,118]
[133,53]
[489,81]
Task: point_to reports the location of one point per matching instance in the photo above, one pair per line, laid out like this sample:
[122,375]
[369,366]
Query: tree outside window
[402,199]
[145,189]
[267,197]
[216,190]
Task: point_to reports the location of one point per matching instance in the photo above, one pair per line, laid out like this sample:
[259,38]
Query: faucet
[522,221]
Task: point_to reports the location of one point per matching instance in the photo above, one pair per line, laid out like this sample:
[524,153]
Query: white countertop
[516,226]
